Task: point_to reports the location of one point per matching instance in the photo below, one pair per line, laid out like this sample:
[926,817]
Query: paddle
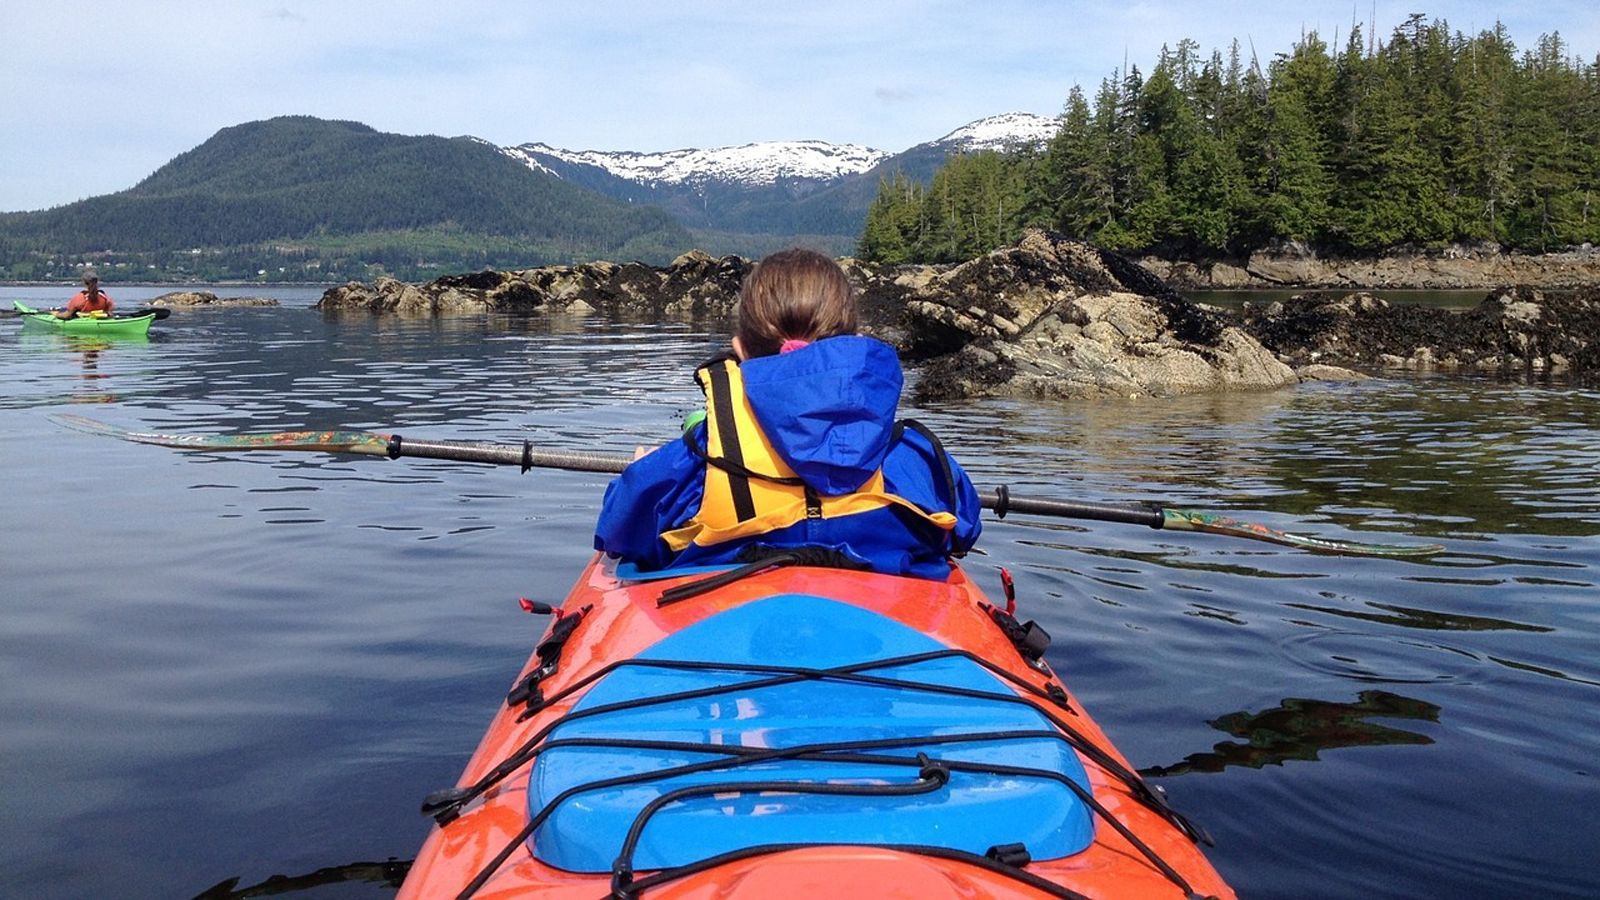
[160,312]
[526,456]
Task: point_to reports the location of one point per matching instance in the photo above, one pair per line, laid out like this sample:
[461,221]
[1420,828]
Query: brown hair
[794,294]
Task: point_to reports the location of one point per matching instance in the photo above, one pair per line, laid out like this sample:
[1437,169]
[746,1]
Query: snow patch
[760,164]
[1006,131]
[532,162]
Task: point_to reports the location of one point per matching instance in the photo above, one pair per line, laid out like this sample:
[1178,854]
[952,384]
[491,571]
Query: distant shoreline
[1293,267]
[1301,268]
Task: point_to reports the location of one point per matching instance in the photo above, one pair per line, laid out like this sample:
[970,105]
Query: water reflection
[81,368]
[1300,729]
[1432,620]
[388,874]
[1436,457]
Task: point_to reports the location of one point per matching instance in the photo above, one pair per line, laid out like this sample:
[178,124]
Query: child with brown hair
[799,448]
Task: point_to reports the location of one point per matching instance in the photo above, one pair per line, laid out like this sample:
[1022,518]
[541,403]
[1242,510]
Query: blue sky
[94,95]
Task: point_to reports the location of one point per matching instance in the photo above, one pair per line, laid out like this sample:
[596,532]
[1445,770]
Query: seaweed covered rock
[694,284]
[208,299]
[1053,317]
[1512,331]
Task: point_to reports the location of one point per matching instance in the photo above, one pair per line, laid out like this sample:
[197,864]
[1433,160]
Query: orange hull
[625,620]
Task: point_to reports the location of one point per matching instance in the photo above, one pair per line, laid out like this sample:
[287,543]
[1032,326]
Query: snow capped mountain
[771,162]
[757,197]
[1006,131]
[765,163]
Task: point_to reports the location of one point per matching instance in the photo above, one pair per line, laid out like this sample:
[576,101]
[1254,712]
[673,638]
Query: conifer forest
[1426,138]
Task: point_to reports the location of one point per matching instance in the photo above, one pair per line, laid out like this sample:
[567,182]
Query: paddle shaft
[526,456]
[999,500]
[1003,503]
[160,312]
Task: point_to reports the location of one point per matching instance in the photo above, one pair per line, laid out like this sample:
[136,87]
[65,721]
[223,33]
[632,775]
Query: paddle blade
[1195,520]
[362,442]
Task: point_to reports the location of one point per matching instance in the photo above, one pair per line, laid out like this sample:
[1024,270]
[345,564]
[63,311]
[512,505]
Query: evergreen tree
[1287,151]
[894,221]
[1485,78]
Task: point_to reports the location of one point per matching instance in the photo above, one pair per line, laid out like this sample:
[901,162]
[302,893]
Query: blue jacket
[829,411]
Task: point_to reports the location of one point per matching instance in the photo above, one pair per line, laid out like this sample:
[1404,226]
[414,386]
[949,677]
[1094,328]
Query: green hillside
[305,197]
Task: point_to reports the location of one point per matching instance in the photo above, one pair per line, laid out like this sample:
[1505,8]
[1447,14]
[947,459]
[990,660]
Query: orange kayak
[787,731]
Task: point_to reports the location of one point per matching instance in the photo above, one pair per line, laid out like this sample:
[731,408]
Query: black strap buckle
[936,770]
[445,805]
[549,654]
[1030,638]
[622,881]
[1059,695]
[1014,855]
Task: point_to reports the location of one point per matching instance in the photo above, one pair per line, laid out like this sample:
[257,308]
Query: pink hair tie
[792,344]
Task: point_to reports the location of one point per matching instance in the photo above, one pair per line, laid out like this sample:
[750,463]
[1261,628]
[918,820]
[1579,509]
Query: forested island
[1428,139]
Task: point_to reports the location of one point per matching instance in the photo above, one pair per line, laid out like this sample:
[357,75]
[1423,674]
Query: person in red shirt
[89,300]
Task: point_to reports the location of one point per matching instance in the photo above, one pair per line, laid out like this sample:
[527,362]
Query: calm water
[239,666]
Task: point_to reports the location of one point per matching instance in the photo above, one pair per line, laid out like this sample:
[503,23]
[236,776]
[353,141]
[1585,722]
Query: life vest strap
[744,504]
[735,469]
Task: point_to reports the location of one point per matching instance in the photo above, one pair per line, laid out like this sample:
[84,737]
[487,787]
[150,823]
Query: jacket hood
[828,408]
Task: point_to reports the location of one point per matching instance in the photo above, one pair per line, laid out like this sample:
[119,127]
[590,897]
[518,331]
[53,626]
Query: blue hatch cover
[973,812]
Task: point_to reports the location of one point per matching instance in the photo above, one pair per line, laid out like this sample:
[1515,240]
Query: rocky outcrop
[1052,317]
[206,298]
[695,284]
[1511,332]
[1323,372]
[1457,267]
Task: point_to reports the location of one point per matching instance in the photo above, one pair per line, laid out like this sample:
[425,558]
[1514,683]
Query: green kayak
[137,323]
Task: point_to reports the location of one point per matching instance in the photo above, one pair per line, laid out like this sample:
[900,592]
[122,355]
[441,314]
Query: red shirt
[80,303]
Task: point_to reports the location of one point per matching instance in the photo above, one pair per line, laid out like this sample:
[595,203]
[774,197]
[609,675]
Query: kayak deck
[790,734]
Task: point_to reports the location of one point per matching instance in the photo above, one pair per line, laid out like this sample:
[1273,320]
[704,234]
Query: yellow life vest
[749,489]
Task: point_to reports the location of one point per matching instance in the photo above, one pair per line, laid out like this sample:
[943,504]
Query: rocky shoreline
[1457,267]
[1053,317]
